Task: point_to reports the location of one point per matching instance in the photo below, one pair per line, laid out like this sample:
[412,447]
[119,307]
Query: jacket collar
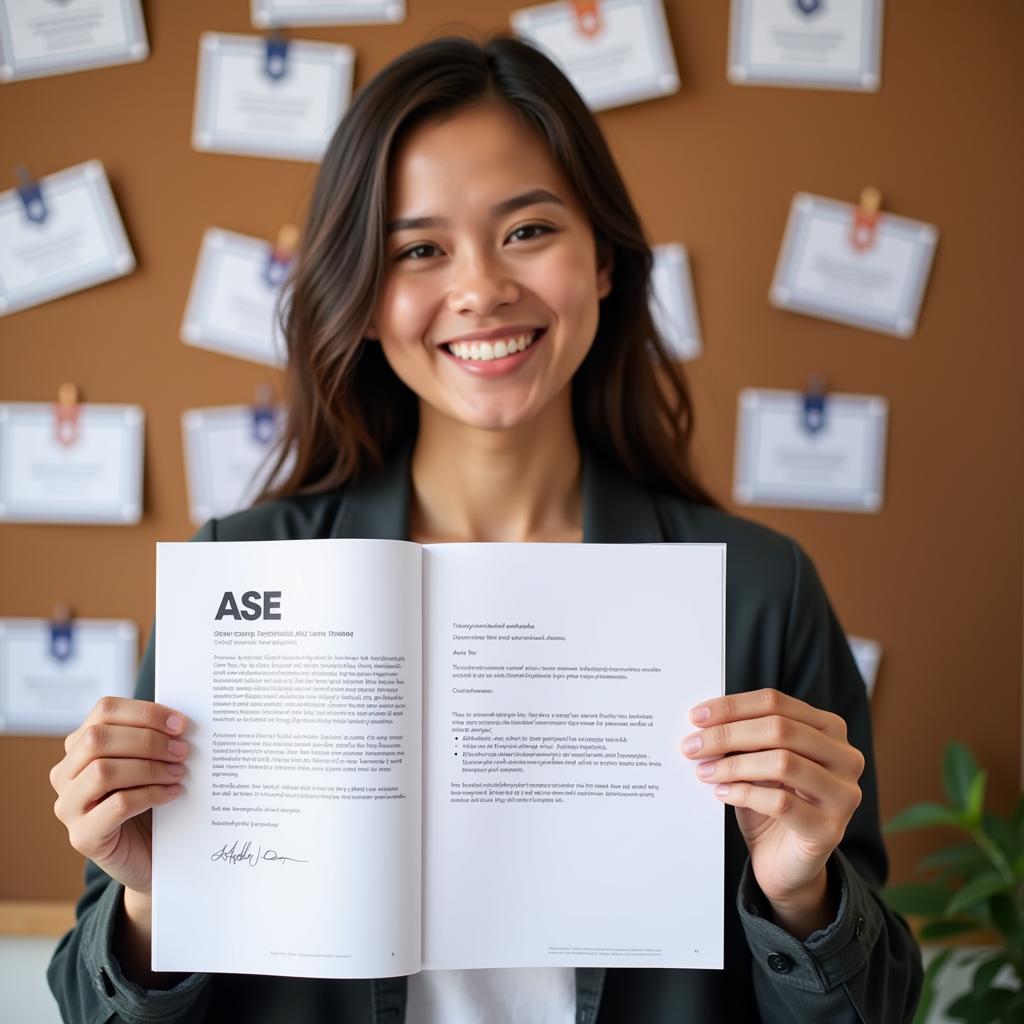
[616,510]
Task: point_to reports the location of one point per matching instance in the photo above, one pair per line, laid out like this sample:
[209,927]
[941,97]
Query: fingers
[765,702]
[112,812]
[127,711]
[774,732]
[100,741]
[106,774]
[808,778]
[780,804]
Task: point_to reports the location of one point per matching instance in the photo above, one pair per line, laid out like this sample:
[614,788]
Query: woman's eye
[415,248]
[542,229]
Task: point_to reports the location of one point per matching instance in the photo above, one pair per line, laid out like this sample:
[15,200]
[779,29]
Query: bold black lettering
[251,601]
[228,606]
[272,604]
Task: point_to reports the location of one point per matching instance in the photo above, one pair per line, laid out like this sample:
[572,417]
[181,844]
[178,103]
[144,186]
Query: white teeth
[484,350]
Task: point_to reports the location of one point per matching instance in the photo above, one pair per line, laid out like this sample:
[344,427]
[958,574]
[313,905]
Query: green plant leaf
[944,929]
[986,1010]
[962,856]
[1005,914]
[1003,835]
[986,973]
[958,771]
[924,1004]
[975,891]
[923,815]
[924,899]
[976,796]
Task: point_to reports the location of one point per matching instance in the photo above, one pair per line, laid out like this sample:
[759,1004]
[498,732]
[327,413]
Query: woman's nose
[479,285]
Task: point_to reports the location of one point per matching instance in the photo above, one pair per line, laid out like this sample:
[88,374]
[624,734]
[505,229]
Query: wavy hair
[347,411]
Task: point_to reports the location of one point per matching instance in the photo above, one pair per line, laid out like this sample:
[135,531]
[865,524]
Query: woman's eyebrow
[506,206]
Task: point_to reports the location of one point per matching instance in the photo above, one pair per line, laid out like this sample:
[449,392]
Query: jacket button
[104,983]
[859,930]
[780,963]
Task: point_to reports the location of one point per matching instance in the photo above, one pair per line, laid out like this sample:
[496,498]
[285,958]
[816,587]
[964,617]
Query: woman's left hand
[792,776]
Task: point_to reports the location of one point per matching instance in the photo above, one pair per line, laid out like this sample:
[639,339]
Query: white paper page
[241,109]
[40,37]
[554,840]
[807,43]
[231,307]
[628,60]
[868,655]
[294,848]
[80,243]
[781,463]
[326,12]
[226,462]
[95,479]
[674,308]
[819,271]
[48,689]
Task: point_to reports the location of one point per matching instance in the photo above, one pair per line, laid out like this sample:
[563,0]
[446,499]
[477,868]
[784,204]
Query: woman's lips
[495,367]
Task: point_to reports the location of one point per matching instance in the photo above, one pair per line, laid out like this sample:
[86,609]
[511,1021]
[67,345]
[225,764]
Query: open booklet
[407,757]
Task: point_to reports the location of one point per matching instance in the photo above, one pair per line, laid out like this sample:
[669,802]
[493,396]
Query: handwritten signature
[232,855]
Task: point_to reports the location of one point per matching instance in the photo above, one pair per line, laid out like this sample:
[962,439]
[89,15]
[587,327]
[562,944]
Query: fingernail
[701,714]
[177,747]
[175,723]
[176,769]
[722,790]
[706,770]
[692,744]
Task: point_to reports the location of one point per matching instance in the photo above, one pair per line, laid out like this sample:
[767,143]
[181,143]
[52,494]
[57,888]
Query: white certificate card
[826,44]
[782,462]
[868,655]
[878,286]
[50,677]
[65,236]
[255,102]
[43,37]
[673,306]
[326,12]
[96,477]
[627,59]
[231,306]
[227,452]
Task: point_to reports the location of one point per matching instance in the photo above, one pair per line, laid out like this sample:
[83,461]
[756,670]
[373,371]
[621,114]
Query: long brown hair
[347,411]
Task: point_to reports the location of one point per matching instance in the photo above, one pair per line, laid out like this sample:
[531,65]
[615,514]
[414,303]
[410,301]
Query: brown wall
[936,577]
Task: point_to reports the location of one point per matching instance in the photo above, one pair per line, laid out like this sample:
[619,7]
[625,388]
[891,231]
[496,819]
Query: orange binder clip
[66,415]
[865,219]
[588,16]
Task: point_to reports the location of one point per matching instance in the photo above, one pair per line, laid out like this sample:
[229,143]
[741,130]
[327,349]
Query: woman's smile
[493,358]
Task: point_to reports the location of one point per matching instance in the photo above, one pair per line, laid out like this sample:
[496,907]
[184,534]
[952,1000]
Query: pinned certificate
[811,451]
[40,37]
[824,44]
[853,264]
[52,671]
[228,453]
[326,12]
[868,655]
[67,462]
[613,51]
[270,97]
[232,305]
[59,235]
[673,306]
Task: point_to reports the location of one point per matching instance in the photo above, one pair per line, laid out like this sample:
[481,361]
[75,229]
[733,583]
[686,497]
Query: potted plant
[972,885]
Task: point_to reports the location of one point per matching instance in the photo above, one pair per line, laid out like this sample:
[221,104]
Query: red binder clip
[588,16]
[66,415]
[865,220]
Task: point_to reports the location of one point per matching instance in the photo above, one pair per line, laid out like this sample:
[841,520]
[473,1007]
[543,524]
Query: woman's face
[486,244]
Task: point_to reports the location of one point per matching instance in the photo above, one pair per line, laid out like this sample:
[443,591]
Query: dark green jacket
[864,968]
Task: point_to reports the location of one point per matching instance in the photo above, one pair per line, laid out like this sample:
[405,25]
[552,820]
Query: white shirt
[496,995]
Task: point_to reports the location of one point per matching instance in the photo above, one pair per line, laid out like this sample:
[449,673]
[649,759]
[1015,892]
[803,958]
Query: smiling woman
[472,357]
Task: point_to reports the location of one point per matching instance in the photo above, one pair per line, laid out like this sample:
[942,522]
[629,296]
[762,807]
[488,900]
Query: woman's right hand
[123,760]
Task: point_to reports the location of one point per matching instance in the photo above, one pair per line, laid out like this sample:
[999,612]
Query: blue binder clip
[808,6]
[279,260]
[814,406]
[277,56]
[61,647]
[31,196]
[263,416]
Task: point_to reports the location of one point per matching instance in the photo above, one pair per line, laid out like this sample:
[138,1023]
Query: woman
[472,359]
